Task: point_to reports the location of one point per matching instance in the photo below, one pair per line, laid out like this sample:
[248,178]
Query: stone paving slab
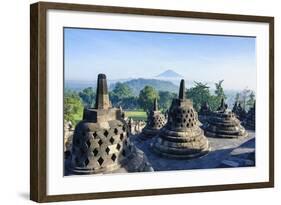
[224,153]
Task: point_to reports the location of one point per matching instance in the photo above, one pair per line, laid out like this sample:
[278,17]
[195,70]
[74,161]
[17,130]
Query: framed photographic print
[134,102]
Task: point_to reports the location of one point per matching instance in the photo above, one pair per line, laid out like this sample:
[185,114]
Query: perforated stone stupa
[204,113]
[100,141]
[239,111]
[155,121]
[250,121]
[224,124]
[181,137]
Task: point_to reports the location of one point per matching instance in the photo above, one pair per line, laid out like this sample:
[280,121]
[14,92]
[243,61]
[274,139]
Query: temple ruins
[101,143]
[181,137]
[224,124]
[155,121]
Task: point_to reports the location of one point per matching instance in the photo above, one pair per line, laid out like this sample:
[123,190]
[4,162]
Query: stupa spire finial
[223,106]
[182,90]
[102,98]
[222,102]
[155,105]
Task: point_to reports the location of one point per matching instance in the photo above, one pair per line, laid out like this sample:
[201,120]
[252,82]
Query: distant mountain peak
[169,74]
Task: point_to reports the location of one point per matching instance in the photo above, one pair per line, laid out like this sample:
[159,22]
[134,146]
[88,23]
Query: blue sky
[127,54]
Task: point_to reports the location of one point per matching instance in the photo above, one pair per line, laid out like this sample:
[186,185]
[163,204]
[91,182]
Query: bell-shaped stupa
[239,111]
[155,121]
[204,113]
[250,120]
[224,124]
[100,141]
[181,137]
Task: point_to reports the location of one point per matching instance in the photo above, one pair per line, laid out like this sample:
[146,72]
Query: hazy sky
[127,54]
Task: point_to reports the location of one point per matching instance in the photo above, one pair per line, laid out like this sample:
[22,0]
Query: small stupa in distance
[223,123]
[155,121]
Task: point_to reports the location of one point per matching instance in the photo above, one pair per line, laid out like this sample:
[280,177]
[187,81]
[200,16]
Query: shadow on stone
[225,153]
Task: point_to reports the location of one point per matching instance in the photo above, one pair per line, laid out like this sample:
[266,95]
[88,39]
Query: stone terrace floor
[224,153]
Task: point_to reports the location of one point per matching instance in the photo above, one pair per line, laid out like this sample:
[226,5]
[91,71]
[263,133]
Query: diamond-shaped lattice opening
[124,128]
[187,124]
[118,147]
[116,131]
[100,161]
[124,153]
[105,133]
[100,142]
[107,150]
[121,136]
[95,134]
[111,140]
[113,157]
[188,111]
[86,162]
[95,152]
[88,143]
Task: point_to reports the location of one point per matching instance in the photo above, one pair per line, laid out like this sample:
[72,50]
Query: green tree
[121,95]
[219,94]
[199,94]
[88,96]
[130,103]
[237,97]
[146,97]
[165,100]
[73,107]
[122,90]
[244,96]
[219,90]
[251,100]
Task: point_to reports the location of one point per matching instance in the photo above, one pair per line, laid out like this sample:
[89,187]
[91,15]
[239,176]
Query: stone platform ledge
[221,149]
[230,135]
[225,152]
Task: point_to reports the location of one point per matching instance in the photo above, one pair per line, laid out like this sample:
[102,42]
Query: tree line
[122,95]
